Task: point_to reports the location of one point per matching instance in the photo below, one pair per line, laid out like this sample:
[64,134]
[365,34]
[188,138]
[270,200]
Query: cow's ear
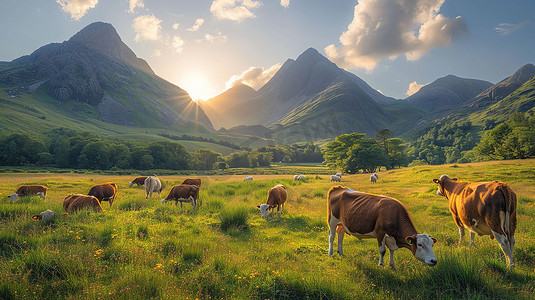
[434,240]
[258,206]
[437,181]
[455,179]
[410,240]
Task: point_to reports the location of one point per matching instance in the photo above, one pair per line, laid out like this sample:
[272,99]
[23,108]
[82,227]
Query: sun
[197,87]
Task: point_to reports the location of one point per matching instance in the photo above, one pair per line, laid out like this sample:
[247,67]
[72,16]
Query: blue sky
[205,46]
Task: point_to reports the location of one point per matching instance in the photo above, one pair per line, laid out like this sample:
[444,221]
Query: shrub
[234,217]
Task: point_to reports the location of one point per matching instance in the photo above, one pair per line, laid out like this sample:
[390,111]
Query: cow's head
[131,183]
[440,183]
[264,210]
[41,194]
[13,197]
[422,248]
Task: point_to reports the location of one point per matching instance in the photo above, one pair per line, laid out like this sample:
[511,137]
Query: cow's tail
[510,209]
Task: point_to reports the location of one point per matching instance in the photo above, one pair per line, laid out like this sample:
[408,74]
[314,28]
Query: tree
[397,153]
[205,159]
[95,156]
[382,137]
[366,156]
[336,151]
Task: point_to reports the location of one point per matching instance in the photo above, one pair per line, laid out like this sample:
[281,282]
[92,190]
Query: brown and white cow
[485,208]
[29,190]
[76,202]
[153,185]
[45,216]
[183,193]
[276,198]
[194,181]
[138,181]
[104,192]
[380,217]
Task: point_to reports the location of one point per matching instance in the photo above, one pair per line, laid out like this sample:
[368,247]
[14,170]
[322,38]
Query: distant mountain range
[96,74]
[94,82]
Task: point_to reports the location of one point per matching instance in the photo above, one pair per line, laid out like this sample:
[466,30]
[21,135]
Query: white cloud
[175,26]
[254,77]
[197,25]
[285,3]
[504,29]
[157,53]
[147,28]
[236,10]
[386,28]
[178,44]
[134,4]
[215,38]
[77,8]
[413,88]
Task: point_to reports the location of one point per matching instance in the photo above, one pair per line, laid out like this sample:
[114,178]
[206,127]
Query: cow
[372,216]
[76,202]
[373,178]
[248,178]
[183,193]
[29,190]
[485,208]
[138,181]
[276,198]
[335,178]
[192,181]
[338,174]
[45,216]
[152,185]
[299,177]
[104,192]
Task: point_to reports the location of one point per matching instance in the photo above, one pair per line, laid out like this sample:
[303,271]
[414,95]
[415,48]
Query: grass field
[142,249]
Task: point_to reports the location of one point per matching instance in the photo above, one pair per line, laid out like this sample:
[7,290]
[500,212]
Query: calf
[276,198]
[29,190]
[183,193]
[485,208]
[104,192]
[380,217]
[138,181]
[76,202]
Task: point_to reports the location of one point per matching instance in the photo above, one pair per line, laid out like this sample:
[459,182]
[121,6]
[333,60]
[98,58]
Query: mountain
[505,87]
[215,108]
[93,77]
[310,98]
[446,93]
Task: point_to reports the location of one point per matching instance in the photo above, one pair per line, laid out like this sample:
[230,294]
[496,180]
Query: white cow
[152,185]
[373,178]
[335,178]
[299,177]
[338,174]
[248,178]
[45,216]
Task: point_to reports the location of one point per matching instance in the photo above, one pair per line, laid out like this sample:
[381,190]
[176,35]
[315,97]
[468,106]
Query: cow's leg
[181,206]
[340,231]
[472,238]
[461,234]
[382,251]
[506,247]
[333,222]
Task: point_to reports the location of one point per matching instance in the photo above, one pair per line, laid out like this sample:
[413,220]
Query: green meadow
[142,249]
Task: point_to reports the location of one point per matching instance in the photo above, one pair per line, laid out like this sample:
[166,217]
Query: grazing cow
[276,198]
[76,202]
[138,180]
[372,216]
[192,181]
[338,174]
[183,193]
[29,190]
[485,208]
[335,178]
[45,216]
[248,178]
[152,185]
[104,192]
[373,178]
[299,177]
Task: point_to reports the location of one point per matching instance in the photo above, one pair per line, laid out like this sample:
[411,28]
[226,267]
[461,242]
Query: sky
[207,46]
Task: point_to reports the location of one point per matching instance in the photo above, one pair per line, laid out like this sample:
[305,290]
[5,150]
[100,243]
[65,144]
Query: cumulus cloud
[413,88]
[254,77]
[385,28]
[178,44]
[77,8]
[175,26]
[134,4]
[504,29]
[236,10]
[147,28]
[197,25]
[285,3]
[156,53]
[215,38]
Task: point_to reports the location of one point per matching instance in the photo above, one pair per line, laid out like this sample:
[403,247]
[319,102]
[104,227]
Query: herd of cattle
[485,208]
